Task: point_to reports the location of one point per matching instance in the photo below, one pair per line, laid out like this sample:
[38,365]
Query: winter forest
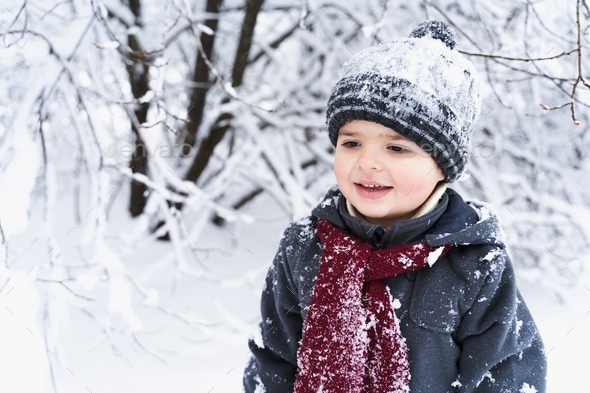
[152,152]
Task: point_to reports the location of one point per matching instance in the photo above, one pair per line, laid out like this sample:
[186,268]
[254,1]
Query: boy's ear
[441,175]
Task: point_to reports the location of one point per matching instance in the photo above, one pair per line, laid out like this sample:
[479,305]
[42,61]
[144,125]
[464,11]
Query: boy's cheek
[341,166]
[338,172]
[411,184]
[408,188]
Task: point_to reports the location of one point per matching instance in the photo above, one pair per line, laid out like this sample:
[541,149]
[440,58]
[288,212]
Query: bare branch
[25,28]
[547,108]
[61,282]
[524,59]
[580,77]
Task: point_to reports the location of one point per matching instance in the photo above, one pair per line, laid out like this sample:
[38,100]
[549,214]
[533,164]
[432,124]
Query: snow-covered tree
[191,111]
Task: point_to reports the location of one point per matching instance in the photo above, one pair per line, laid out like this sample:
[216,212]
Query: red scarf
[351,341]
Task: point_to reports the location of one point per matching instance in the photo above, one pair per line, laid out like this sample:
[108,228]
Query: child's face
[402,174]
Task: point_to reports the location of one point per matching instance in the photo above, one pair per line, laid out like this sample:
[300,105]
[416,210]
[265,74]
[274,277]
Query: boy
[394,283]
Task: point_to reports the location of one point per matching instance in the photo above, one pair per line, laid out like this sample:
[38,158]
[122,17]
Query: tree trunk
[201,77]
[223,123]
[139,80]
[245,44]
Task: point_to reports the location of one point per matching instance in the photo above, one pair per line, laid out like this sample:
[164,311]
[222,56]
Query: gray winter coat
[466,326]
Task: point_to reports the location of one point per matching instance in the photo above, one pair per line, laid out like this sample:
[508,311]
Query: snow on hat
[418,86]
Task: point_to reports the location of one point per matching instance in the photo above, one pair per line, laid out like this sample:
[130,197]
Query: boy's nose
[369,160]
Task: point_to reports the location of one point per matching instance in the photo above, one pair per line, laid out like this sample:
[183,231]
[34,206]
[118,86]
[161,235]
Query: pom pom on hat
[437,30]
[418,86]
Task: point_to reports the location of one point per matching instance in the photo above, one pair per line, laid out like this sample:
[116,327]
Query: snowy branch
[580,78]
[523,59]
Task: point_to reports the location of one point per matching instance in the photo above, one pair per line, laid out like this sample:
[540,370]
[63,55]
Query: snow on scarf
[351,341]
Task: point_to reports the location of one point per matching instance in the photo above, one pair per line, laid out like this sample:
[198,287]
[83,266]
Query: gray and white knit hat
[418,86]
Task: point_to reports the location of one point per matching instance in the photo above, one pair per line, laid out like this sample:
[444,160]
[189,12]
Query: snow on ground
[211,359]
[565,328]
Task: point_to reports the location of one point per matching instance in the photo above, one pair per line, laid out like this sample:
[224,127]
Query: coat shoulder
[302,230]
[300,242]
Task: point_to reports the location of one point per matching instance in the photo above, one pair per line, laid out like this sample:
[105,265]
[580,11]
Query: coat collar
[449,221]
[334,209]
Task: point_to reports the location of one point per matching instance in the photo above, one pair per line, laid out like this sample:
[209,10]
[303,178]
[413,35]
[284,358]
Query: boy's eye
[350,144]
[399,149]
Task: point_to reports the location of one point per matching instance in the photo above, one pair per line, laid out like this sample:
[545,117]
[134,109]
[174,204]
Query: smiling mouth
[373,187]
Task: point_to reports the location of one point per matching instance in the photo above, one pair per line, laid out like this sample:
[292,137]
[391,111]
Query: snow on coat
[466,326]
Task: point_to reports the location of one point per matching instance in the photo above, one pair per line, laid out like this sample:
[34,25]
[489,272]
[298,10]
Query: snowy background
[152,152]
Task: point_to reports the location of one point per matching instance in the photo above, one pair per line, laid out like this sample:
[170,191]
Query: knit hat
[418,86]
